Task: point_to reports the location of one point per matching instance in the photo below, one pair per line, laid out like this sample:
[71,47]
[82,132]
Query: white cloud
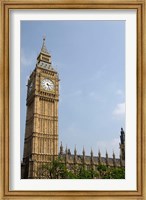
[119,109]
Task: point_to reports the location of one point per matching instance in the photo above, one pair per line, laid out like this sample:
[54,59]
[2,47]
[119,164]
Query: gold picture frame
[6,6]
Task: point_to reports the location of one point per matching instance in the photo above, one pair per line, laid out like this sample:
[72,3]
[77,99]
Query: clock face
[47,84]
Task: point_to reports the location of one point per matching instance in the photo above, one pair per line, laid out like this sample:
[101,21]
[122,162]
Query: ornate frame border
[5,6]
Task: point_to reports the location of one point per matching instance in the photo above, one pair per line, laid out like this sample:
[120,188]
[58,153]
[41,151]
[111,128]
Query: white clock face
[47,84]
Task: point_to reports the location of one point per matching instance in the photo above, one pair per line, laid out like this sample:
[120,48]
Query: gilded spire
[44,49]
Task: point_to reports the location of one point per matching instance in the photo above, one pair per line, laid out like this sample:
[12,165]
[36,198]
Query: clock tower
[41,132]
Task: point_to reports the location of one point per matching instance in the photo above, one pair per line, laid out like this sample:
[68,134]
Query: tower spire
[44,48]
[44,57]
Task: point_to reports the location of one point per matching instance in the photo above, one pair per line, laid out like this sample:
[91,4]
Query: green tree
[111,172]
[118,173]
[58,170]
[54,170]
[87,173]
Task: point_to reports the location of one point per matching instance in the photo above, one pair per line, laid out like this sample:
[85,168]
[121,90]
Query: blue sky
[90,59]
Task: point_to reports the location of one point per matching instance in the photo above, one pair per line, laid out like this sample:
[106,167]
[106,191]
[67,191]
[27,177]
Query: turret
[83,156]
[99,157]
[122,136]
[114,160]
[92,161]
[61,149]
[122,144]
[75,155]
[66,155]
[121,161]
[107,161]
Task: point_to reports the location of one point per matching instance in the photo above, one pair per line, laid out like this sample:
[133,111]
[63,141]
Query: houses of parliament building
[41,130]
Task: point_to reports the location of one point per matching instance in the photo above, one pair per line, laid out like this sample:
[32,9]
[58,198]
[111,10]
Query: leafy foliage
[111,172]
[58,170]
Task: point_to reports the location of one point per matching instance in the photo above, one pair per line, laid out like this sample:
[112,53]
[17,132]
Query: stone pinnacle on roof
[83,151]
[44,49]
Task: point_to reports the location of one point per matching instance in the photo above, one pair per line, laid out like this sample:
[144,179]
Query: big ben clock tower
[41,132]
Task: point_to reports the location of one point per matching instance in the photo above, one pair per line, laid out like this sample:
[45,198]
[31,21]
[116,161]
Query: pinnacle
[44,48]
